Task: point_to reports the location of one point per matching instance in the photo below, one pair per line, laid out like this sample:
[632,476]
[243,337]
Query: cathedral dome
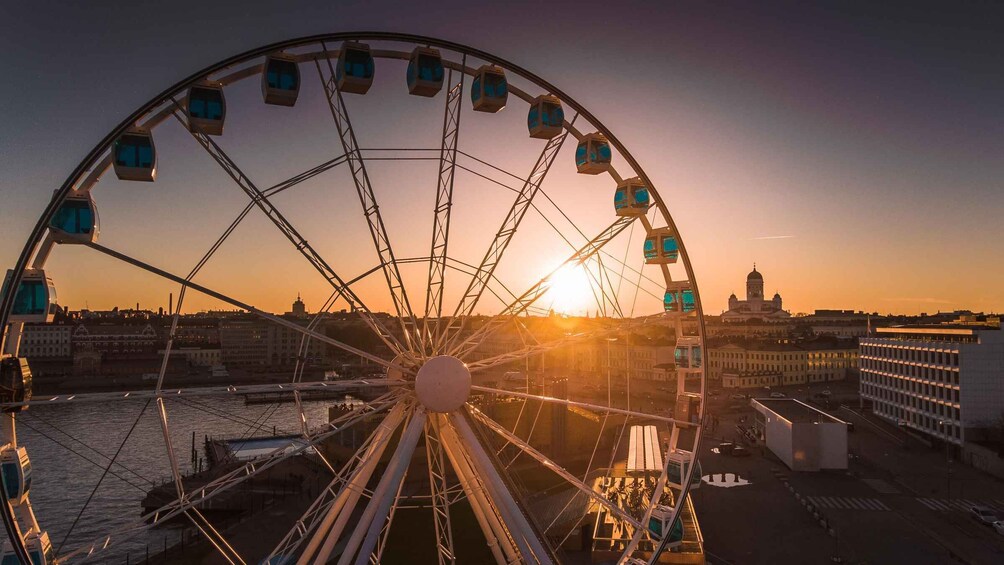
[754,275]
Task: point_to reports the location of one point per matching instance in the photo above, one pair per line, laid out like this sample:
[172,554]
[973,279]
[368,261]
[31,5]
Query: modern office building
[945,381]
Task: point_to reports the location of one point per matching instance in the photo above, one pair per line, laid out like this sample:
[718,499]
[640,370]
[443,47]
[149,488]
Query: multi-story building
[244,342]
[115,339]
[260,342]
[945,381]
[46,341]
[772,363]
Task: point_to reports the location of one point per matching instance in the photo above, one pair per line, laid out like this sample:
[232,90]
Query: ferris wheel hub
[443,384]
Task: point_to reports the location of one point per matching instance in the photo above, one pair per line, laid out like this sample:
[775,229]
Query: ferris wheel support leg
[330,529]
[531,547]
[499,542]
[434,455]
[367,531]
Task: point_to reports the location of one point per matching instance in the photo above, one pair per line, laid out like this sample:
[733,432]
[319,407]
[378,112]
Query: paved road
[892,506]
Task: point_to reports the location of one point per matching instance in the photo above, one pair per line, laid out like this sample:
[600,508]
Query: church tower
[754,285]
[299,309]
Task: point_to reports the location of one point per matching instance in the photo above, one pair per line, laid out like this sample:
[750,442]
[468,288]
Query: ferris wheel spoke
[216,539]
[552,466]
[243,306]
[367,528]
[532,548]
[441,215]
[311,519]
[527,299]
[588,406]
[231,479]
[540,348]
[330,528]
[378,232]
[505,233]
[440,496]
[366,532]
[259,199]
[222,390]
[304,176]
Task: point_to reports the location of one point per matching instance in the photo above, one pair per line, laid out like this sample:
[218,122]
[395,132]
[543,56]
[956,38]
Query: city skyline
[802,165]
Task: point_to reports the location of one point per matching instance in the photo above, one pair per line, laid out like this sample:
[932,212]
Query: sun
[570,291]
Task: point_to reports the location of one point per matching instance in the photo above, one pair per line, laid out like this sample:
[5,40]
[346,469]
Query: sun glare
[570,291]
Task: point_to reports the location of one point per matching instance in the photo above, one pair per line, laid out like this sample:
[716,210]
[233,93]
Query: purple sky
[854,153]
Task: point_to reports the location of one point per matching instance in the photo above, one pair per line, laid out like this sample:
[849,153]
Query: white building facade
[938,380]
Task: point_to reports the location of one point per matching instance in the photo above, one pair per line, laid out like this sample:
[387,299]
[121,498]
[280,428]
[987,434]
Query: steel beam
[500,542]
[330,530]
[371,210]
[485,271]
[527,299]
[367,530]
[265,205]
[531,547]
[441,216]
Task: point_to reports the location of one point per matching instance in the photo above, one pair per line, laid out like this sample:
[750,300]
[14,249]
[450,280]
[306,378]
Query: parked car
[777,395]
[999,526]
[735,450]
[740,451]
[983,515]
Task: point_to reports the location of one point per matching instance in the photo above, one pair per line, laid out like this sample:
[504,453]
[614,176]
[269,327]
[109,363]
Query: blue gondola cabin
[489,89]
[631,198]
[134,156]
[206,108]
[679,298]
[425,72]
[661,247]
[355,69]
[678,463]
[15,382]
[688,353]
[280,80]
[76,220]
[545,118]
[35,299]
[658,524]
[592,154]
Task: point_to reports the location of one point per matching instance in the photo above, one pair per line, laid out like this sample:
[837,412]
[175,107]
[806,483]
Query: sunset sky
[855,153]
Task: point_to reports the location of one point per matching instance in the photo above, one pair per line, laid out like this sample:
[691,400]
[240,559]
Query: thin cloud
[775,237]
[925,300]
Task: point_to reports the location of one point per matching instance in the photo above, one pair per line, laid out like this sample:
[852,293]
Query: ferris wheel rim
[94,156]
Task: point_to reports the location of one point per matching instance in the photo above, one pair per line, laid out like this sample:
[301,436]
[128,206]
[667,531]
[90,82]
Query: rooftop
[795,411]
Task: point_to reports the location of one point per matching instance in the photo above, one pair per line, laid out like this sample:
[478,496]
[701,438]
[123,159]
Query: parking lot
[895,503]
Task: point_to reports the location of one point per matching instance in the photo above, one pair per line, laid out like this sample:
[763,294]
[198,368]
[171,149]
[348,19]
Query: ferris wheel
[448,397]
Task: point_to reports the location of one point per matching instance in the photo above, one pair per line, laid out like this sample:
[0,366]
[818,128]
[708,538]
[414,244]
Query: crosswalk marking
[963,504]
[847,503]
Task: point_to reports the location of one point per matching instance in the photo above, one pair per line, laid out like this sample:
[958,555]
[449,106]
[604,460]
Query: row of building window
[931,374]
[928,423]
[929,356]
